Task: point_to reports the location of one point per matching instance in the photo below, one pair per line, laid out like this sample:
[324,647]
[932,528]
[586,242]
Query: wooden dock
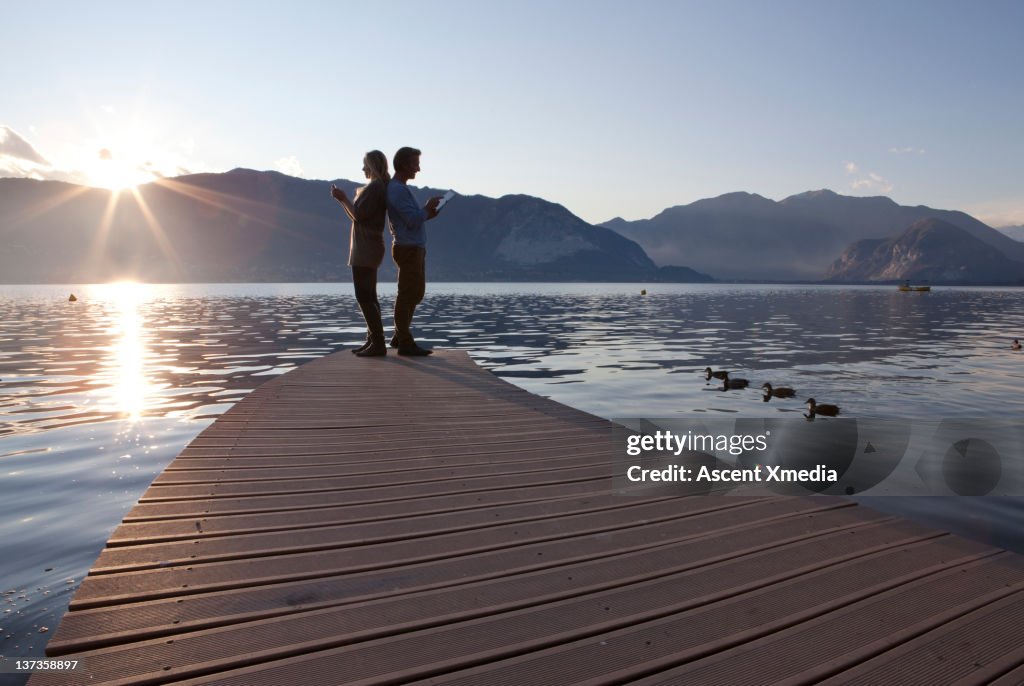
[394,520]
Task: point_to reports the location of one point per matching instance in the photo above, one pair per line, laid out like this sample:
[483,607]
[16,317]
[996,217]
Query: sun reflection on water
[130,388]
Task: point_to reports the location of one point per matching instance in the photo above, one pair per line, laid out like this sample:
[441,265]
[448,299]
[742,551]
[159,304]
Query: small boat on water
[905,286]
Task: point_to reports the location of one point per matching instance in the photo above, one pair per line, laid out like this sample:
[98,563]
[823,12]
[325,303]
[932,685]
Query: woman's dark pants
[365,281]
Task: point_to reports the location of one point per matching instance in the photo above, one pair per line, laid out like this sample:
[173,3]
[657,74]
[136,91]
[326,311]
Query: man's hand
[431,207]
[337,193]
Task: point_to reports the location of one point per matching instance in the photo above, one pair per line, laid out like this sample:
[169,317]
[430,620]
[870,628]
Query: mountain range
[246,225]
[745,236]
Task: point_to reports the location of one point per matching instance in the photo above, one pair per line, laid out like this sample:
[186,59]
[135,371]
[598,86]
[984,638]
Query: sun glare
[122,157]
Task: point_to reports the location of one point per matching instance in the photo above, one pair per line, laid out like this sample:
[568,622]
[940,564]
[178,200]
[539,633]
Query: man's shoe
[413,350]
[364,346]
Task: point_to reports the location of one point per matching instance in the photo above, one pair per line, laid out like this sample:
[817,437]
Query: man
[406,220]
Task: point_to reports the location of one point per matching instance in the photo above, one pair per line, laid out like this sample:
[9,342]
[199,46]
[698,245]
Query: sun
[116,169]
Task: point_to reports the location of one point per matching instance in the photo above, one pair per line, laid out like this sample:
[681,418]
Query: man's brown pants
[412,284]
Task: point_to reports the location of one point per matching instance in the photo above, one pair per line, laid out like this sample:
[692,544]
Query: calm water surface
[97,396]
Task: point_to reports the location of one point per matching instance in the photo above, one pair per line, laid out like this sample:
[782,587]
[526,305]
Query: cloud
[907,151]
[13,145]
[290,166]
[869,182]
[872,183]
[20,159]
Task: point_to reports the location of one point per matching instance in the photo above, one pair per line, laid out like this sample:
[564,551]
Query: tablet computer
[444,199]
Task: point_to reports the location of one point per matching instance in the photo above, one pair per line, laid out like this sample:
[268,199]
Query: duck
[728,383]
[823,409]
[1015,345]
[772,392]
[708,374]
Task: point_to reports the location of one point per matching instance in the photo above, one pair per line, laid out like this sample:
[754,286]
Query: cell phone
[444,199]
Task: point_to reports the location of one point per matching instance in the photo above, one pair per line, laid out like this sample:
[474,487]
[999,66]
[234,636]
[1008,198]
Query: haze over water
[99,395]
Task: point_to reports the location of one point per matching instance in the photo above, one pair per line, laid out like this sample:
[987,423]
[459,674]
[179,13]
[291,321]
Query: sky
[610,109]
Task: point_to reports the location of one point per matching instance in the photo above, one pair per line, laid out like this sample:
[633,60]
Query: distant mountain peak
[813,195]
[737,201]
[826,196]
[739,195]
[1015,232]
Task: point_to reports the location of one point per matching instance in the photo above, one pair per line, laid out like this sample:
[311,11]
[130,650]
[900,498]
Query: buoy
[72,298]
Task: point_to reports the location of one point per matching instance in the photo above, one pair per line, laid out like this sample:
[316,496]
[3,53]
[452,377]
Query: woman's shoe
[364,346]
[375,349]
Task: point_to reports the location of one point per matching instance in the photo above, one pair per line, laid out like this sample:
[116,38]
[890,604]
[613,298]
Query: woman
[366,246]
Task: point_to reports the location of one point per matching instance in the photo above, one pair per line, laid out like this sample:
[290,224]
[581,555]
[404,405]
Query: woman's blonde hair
[377,163]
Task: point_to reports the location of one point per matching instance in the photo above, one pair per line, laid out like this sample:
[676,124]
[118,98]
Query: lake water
[97,396]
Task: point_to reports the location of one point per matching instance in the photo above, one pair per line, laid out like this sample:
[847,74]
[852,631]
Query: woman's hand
[338,194]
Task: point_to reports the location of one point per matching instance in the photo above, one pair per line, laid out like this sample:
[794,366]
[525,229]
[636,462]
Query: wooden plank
[1013,677]
[315,481]
[974,648]
[479,488]
[246,546]
[157,531]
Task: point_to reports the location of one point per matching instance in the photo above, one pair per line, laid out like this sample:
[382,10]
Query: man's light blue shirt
[406,218]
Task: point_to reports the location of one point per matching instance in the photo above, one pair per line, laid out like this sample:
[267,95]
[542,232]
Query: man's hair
[404,156]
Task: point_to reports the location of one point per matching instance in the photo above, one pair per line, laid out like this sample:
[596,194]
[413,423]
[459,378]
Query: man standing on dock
[406,219]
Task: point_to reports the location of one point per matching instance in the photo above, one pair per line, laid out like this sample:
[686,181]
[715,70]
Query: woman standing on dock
[366,246]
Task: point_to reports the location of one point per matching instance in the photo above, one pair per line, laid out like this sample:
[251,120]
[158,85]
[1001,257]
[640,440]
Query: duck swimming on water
[772,392]
[733,384]
[708,374]
[823,409]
